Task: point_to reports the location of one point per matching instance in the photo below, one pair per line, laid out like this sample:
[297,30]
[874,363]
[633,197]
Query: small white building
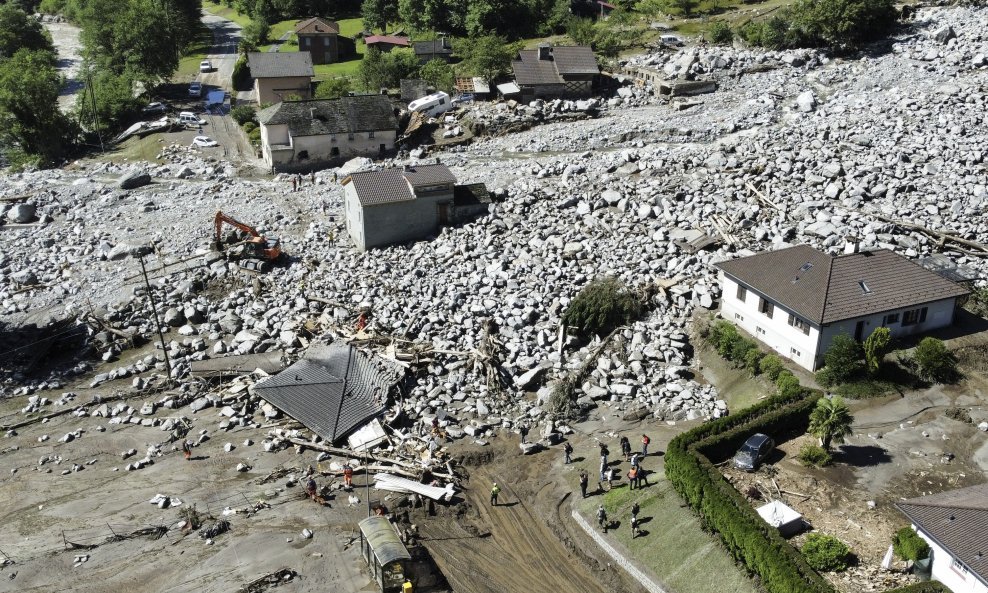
[784,518]
[796,300]
[955,524]
[304,135]
[406,204]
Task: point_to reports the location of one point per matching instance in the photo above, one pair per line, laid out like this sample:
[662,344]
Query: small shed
[385,554]
[782,517]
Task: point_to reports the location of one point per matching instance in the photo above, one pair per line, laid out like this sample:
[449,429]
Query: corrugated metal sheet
[333,391]
[383,539]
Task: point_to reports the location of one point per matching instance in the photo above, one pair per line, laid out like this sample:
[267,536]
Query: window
[742,293]
[349,136]
[739,316]
[800,324]
[325,41]
[913,317]
[864,287]
[442,101]
[303,42]
[958,567]
[759,331]
[795,352]
[890,319]
[370,134]
[767,308]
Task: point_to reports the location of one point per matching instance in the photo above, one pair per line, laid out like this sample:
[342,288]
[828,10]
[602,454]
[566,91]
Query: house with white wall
[955,524]
[305,135]
[798,299]
[407,203]
[281,75]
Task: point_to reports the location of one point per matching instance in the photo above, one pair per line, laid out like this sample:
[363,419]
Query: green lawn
[225,12]
[682,556]
[188,65]
[348,28]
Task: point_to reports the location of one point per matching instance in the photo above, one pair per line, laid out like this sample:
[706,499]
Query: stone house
[304,135]
[280,75]
[955,524]
[406,204]
[553,72]
[438,49]
[320,38]
[796,300]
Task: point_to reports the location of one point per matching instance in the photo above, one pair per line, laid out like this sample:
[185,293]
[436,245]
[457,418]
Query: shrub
[908,545]
[720,33]
[249,127]
[814,455]
[254,136]
[770,366]
[959,414]
[740,349]
[752,361]
[334,88]
[934,362]
[826,553]
[241,74]
[787,384]
[842,361]
[242,114]
[723,334]
[601,306]
[876,346]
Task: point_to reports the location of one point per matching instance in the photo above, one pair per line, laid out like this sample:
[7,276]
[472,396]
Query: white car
[195,89]
[205,66]
[204,142]
[187,118]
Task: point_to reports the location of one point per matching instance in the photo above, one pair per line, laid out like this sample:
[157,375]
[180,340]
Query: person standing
[312,177]
[567,452]
[187,450]
[348,477]
[603,469]
[642,476]
[294,183]
[645,442]
[523,430]
[584,480]
[625,447]
[635,509]
[331,239]
[495,490]
[632,478]
[602,518]
[634,460]
[634,526]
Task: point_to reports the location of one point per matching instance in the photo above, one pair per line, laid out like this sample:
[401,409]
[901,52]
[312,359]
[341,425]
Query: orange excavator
[253,251]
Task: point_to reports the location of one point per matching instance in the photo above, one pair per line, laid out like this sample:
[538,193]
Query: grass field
[188,65]
[681,555]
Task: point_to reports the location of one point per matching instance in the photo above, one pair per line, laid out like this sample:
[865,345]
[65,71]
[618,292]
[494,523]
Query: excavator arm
[221,218]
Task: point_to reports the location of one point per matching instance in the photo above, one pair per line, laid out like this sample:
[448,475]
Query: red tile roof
[390,39]
[317,26]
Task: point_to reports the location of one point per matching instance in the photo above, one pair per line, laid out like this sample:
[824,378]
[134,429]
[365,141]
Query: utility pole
[157,322]
[367,480]
[92,95]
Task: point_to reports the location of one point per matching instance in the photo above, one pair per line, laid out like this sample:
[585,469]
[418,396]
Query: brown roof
[825,289]
[958,521]
[566,60]
[317,26]
[390,39]
[396,184]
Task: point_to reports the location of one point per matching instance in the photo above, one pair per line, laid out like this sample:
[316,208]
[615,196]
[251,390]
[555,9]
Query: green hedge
[927,587]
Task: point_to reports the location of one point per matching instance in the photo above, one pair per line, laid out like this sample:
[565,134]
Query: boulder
[21,213]
[133,179]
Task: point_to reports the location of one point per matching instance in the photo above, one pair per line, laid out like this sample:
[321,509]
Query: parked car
[672,40]
[464,98]
[195,89]
[153,108]
[205,66]
[187,118]
[204,142]
[753,452]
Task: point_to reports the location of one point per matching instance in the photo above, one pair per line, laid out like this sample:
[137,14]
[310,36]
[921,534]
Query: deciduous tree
[30,121]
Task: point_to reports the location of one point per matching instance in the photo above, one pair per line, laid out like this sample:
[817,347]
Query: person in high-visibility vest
[494,492]
[347,477]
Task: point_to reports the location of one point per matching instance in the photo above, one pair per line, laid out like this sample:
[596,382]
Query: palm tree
[830,421]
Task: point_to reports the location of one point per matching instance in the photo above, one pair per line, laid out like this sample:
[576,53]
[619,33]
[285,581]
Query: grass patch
[676,549]
[348,28]
[188,64]
[225,12]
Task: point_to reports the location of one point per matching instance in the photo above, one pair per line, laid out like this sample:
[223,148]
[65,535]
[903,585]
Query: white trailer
[432,105]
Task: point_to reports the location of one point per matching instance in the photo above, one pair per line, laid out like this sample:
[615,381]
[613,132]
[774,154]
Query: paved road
[67,45]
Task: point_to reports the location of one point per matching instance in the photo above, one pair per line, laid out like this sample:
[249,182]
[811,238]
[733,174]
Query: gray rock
[806,102]
[25,278]
[21,213]
[944,35]
[133,179]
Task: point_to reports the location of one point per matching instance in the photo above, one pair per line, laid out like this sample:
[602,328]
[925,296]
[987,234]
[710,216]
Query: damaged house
[334,389]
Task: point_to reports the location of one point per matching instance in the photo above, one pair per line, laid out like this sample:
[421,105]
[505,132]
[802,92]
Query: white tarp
[508,88]
[392,483]
[368,437]
[782,517]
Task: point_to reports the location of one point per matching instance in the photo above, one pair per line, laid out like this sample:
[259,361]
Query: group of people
[298,179]
[636,474]
[605,524]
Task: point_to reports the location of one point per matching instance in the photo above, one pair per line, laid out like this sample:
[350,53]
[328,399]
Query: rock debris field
[793,147]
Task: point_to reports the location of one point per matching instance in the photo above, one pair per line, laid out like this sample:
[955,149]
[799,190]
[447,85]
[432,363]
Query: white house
[796,300]
[405,204]
[297,135]
[955,524]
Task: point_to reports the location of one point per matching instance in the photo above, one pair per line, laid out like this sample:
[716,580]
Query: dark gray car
[753,452]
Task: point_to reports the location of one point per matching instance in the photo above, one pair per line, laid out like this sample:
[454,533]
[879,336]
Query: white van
[187,118]
[432,105]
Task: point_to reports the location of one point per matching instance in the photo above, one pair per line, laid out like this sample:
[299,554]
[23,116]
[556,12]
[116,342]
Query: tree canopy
[830,421]
[30,121]
[18,30]
[488,56]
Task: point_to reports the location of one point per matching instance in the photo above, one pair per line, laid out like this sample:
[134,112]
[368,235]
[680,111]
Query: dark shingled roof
[825,289]
[362,113]
[958,521]
[437,46]
[395,184]
[566,60]
[333,391]
[280,64]
[317,26]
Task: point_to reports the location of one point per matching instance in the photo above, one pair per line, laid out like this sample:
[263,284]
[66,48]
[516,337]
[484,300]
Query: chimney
[408,167]
[545,52]
[852,244]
